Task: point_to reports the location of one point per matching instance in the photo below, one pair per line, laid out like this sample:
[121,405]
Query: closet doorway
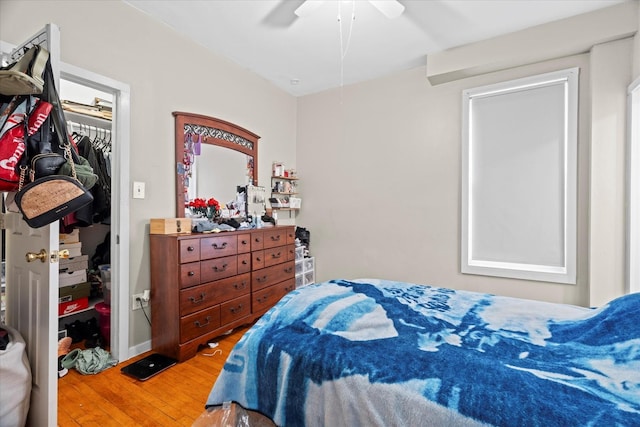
[111,138]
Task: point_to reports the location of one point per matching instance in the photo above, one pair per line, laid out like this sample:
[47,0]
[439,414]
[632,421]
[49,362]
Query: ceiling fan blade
[389,8]
[307,7]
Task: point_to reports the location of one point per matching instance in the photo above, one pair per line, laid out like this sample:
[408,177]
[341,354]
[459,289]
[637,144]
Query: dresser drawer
[209,294]
[196,298]
[272,275]
[235,309]
[189,250]
[266,298]
[218,268]
[275,256]
[257,260]
[291,252]
[189,274]
[291,236]
[244,243]
[218,246]
[257,241]
[273,238]
[199,323]
[244,263]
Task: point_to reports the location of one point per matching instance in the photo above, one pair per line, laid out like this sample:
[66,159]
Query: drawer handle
[289,288]
[223,268]
[239,286]
[258,259]
[191,273]
[197,301]
[257,240]
[202,325]
[275,238]
[237,309]
[276,255]
[190,249]
[261,279]
[244,242]
[244,262]
[288,269]
[215,245]
[263,298]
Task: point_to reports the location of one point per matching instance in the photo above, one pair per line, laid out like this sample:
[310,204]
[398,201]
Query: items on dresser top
[170,225]
[204,285]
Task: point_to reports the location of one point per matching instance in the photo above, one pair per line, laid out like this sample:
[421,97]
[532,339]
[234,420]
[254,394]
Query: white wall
[608,161]
[380,163]
[380,168]
[166,73]
[636,50]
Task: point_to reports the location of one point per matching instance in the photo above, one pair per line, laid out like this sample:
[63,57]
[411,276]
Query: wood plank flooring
[175,397]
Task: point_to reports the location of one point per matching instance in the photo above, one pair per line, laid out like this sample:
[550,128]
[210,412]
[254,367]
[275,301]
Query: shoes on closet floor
[62,371]
[92,333]
[64,345]
[75,330]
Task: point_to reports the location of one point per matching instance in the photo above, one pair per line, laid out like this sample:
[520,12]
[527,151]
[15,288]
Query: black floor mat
[151,365]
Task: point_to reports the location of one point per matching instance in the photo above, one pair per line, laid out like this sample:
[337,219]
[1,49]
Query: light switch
[138,190]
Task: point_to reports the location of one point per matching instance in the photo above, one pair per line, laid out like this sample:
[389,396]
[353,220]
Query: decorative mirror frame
[215,132]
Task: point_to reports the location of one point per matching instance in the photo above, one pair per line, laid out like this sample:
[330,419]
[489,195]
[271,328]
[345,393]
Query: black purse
[50,196]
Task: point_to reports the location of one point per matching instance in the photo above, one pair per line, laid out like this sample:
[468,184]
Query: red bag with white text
[12,134]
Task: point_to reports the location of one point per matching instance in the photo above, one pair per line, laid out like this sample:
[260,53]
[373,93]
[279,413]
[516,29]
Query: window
[519,178]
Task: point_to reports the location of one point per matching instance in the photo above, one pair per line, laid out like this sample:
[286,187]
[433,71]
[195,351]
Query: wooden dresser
[203,285]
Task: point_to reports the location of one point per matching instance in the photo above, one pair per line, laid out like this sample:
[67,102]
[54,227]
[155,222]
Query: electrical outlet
[137,305]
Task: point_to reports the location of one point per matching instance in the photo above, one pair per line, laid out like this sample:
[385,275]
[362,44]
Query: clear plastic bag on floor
[231,415]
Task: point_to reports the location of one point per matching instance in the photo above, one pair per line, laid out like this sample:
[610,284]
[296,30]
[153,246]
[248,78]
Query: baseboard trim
[139,349]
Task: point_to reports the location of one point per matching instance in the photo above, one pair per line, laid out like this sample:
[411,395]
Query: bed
[384,353]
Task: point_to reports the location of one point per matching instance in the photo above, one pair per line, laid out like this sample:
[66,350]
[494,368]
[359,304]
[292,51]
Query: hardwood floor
[175,397]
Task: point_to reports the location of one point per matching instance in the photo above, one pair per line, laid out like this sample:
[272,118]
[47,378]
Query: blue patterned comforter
[383,353]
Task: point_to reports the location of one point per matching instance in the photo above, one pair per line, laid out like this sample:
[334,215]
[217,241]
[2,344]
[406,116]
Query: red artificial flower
[197,203]
[213,203]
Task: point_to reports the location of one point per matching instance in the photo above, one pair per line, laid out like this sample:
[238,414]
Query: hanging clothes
[94,144]
[102,190]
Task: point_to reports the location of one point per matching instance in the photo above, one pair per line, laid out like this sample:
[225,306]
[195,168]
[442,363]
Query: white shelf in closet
[87,120]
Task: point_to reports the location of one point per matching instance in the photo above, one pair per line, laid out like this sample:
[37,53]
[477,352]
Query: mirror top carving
[208,130]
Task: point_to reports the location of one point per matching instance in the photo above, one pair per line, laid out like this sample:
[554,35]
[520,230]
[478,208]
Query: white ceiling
[302,55]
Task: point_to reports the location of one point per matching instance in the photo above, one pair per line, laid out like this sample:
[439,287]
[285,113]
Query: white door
[32,308]
[32,287]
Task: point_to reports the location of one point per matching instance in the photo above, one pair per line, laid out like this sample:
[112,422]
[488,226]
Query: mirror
[227,156]
[216,173]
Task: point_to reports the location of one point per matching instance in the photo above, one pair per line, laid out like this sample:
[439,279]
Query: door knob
[42,256]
